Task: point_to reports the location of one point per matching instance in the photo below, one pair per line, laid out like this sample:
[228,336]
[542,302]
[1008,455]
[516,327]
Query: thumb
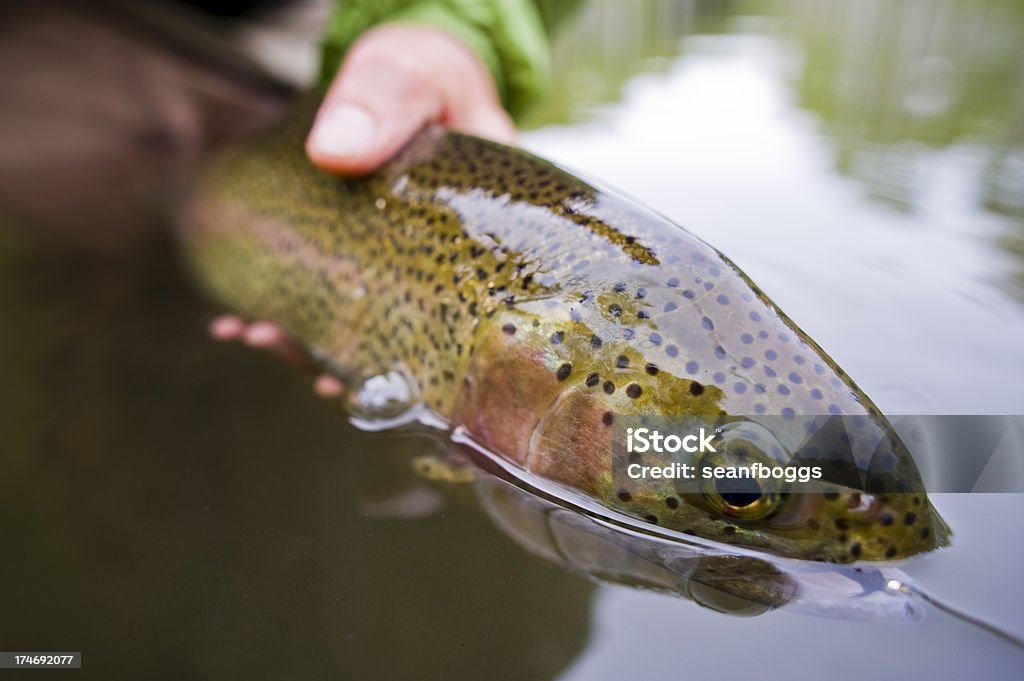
[395,79]
[375,105]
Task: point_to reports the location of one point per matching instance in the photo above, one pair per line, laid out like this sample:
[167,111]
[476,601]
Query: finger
[263,335]
[226,327]
[268,336]
[379,100]
[394,80]
[326,385]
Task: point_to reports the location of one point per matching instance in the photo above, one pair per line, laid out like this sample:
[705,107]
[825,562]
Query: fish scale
[534,310]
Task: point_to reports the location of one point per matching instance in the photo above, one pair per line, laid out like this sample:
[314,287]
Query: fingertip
[326,385]
[344,138]
[226,327]
[263,334]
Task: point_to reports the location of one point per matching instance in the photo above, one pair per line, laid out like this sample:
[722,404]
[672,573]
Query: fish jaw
[534,403]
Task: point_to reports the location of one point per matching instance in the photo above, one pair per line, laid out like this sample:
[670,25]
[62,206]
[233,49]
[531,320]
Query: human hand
[394,80]
[270,337]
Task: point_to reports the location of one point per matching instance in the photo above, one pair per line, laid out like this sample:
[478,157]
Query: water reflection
[938,74]
[712,576]
[895,87]
[177,509]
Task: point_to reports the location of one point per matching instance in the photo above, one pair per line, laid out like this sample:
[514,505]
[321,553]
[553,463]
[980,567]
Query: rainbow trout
[502,295]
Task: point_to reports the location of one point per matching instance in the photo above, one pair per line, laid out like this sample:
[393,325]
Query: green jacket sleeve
[507,35]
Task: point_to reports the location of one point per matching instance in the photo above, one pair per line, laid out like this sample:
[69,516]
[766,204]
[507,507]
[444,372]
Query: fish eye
[742,499]
[739,494]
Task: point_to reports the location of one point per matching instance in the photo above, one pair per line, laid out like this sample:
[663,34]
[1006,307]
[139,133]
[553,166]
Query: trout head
[552,391]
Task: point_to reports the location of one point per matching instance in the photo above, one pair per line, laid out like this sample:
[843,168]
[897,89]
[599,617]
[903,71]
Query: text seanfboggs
[755,471]
[645,440]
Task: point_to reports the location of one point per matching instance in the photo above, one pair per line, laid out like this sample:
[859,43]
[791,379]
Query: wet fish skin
[532,309]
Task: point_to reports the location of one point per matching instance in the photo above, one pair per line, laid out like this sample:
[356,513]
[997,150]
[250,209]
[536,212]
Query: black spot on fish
[672,502]
[909,518]
[592,380]
[625,496]
[556,338]
[651,369]
[607,418]
[622,362]
[696,388]
[510,329]
[641,293]
[729,530]
[564,371]
[855,549]
[925,533]
[596,342]
[842,524]
[609,387]
[651,519]
[633,390]
[615,310]
[890,552]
